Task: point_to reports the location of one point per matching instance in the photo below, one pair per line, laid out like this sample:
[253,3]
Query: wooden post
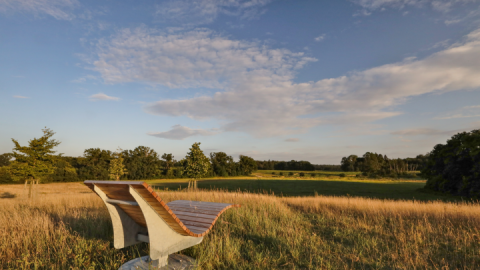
[30,189]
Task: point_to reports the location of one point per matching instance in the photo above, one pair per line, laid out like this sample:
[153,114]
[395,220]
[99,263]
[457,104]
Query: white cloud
[439,5]
[20,97]
[256,92]
[320,38]
[59,9]
[206,11]
[179,132]
[292,140]
[197,58]
[464,112]
[102,96]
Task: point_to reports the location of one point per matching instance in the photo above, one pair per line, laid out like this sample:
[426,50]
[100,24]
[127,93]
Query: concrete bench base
[175,261]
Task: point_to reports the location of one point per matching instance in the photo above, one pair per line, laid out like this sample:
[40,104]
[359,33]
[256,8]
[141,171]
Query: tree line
[38,160]
[373,165]
[292,165]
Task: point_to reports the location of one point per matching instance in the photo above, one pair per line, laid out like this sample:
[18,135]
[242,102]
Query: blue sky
[271,79]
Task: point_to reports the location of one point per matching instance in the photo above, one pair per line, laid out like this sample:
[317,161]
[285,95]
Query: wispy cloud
[59,9]
[85,78]
[257,93]
[439,5]
[464,112]
[179,132]
[320,38]
[427,132]
[102,96]
[206,11]
[292,140]
[20,97]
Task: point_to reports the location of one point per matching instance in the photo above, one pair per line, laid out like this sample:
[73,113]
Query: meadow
[67,226]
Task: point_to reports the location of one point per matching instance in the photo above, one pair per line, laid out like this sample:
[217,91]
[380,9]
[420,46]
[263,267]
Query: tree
[222,164]
[35,160]
[116,168]
[5,159]
[348,163]
[454,167]
[246,165]
[95,164]
[142,163]
[169,161]
[197,164]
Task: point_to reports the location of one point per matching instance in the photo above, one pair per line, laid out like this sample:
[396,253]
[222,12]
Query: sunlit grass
[67,226]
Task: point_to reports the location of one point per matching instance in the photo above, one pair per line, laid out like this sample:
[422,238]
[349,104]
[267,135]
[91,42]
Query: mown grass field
[324,183]
[66,226]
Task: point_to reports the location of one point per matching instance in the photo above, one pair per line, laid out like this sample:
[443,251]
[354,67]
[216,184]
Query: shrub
[290,174]
[313,174]
[280,173]
[342,175]
[273,173]
[302,174]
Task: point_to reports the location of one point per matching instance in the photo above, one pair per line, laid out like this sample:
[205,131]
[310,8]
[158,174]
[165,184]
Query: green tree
[222,164]
[35,160]
[197,164]
[5,159]
[116,168]
[95,164]
[142,163]
[246,165]
[169,161]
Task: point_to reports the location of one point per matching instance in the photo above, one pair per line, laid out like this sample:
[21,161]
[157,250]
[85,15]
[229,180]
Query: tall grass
[73,230]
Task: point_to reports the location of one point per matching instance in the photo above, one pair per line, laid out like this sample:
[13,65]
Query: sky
[270,79]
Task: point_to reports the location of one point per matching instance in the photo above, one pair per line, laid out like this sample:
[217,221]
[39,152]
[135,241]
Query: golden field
[66,226]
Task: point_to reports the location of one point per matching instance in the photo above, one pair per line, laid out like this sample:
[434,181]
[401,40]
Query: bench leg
[160,262]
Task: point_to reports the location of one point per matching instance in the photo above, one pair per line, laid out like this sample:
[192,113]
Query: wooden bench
[140,215]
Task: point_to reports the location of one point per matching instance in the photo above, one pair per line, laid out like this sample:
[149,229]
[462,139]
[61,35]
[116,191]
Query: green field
[330,185]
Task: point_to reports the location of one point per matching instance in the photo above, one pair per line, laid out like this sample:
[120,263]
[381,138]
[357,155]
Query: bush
[313,174]
[342,175]
[280,173]
[273,173]
[290,174]
[301,174]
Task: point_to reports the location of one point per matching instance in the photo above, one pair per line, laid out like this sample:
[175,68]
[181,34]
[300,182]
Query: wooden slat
[181,202]
[200,211]
[193,209]
[197,219]
[200,208]
[195,214]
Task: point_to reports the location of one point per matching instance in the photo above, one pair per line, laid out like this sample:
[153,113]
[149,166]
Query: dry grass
[67,226]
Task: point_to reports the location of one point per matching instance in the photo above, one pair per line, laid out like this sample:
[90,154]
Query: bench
[139,215]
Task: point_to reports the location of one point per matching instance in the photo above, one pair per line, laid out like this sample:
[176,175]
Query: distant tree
[5,159]
[116,168]
[197,164]
[222,164]
[246,165]
[63,172]
[348,164]
[142,163]
[169,161]
[95,164]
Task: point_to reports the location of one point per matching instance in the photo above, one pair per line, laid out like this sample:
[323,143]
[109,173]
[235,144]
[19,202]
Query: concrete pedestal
[175,261]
